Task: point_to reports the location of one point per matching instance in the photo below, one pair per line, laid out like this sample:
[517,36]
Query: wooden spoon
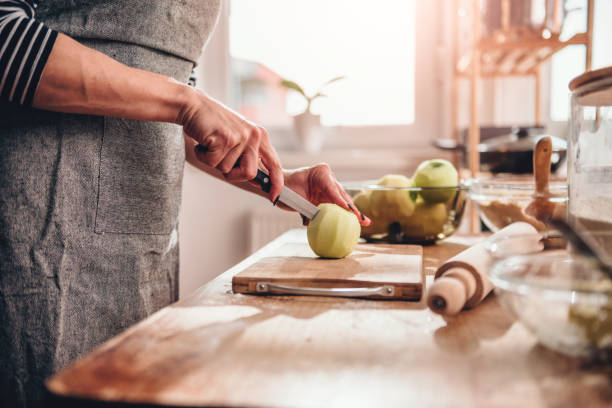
[541,207]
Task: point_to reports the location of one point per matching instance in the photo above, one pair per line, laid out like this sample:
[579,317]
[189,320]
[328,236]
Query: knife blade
[288,197]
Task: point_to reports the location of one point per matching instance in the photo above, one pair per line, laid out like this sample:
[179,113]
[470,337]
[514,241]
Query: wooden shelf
[515,58]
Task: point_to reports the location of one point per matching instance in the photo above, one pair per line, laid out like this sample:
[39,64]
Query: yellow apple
[391,203]
[379,224]
[426,222]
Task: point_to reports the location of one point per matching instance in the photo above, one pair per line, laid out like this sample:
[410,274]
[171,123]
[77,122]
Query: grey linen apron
[89,205]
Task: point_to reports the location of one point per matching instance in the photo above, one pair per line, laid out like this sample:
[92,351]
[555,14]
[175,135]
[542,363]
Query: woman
[91,160]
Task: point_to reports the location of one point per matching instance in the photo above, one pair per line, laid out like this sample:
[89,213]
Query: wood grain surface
[217,348]
[370,265]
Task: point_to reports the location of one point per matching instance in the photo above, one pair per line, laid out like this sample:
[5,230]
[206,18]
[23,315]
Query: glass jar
[590,154]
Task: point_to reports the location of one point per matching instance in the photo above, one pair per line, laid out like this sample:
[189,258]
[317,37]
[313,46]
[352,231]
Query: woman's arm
[77,79]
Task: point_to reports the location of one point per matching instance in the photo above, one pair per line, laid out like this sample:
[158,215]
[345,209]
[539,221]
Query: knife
[288,197]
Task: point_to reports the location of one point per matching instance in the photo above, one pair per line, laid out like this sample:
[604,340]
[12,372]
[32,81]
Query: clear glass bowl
[401,215]
[502,201]
[564,300]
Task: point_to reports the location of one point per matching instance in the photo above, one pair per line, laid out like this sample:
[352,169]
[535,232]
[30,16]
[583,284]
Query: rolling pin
[462,282]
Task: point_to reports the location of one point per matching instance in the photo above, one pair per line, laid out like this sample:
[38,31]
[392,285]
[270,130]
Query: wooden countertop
[216,348]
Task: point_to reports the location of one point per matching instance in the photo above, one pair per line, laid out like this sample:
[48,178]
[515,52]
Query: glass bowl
[402,215]
[502,201]
[565,300]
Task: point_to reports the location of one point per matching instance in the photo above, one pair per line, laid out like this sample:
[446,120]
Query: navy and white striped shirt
[25,45]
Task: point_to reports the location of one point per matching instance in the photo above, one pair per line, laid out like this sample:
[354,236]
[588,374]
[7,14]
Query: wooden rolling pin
[462,282]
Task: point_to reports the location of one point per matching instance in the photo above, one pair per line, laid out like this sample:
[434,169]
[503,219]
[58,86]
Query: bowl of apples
[422,209]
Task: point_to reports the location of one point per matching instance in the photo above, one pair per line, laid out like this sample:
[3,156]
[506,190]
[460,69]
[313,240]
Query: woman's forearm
[78,79]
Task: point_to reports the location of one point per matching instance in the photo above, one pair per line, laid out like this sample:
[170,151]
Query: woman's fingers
[272,164]
[326,182]
[243,167]
[363,220]
[247,167]
[334,192]
[349,200]
[210,151]
[231,160]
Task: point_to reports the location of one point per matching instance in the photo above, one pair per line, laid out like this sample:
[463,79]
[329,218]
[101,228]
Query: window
[570,62]
[372,44]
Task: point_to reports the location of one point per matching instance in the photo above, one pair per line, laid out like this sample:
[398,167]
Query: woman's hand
[319,185]
[232,144]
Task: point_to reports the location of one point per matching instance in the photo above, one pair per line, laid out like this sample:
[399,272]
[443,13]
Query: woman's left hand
[318,185]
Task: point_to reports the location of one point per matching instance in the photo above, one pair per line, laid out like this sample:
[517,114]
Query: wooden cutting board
[397,268]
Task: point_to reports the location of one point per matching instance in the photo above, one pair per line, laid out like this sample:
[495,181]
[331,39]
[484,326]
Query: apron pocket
[141,170]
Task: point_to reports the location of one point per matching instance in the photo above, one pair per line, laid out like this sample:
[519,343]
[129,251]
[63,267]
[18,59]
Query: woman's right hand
[228,138]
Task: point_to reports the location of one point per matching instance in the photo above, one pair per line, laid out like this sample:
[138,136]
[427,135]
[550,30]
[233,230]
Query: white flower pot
[309,131]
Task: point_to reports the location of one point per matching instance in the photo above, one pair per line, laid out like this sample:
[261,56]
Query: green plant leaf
[331,81]
[292,85]
[318,95]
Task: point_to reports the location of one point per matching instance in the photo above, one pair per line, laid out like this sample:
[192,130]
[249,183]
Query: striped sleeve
[25,45]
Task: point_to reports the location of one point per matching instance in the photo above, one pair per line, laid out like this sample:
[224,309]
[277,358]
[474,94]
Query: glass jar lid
[593,88]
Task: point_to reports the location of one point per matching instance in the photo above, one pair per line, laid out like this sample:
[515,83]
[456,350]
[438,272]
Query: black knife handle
[262,178]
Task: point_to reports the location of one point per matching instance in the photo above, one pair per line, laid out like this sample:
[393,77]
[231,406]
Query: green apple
[333,232]
[436,173]
[426,222]
[392,203]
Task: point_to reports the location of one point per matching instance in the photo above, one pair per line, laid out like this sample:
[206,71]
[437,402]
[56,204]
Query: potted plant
[308,125]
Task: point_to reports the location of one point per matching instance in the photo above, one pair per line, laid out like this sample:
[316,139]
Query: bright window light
[310,42]
[570,62]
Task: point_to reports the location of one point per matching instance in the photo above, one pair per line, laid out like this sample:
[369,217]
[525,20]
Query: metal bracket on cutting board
[272,289]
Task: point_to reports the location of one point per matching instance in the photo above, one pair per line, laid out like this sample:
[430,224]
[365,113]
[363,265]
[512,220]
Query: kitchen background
[393,105]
